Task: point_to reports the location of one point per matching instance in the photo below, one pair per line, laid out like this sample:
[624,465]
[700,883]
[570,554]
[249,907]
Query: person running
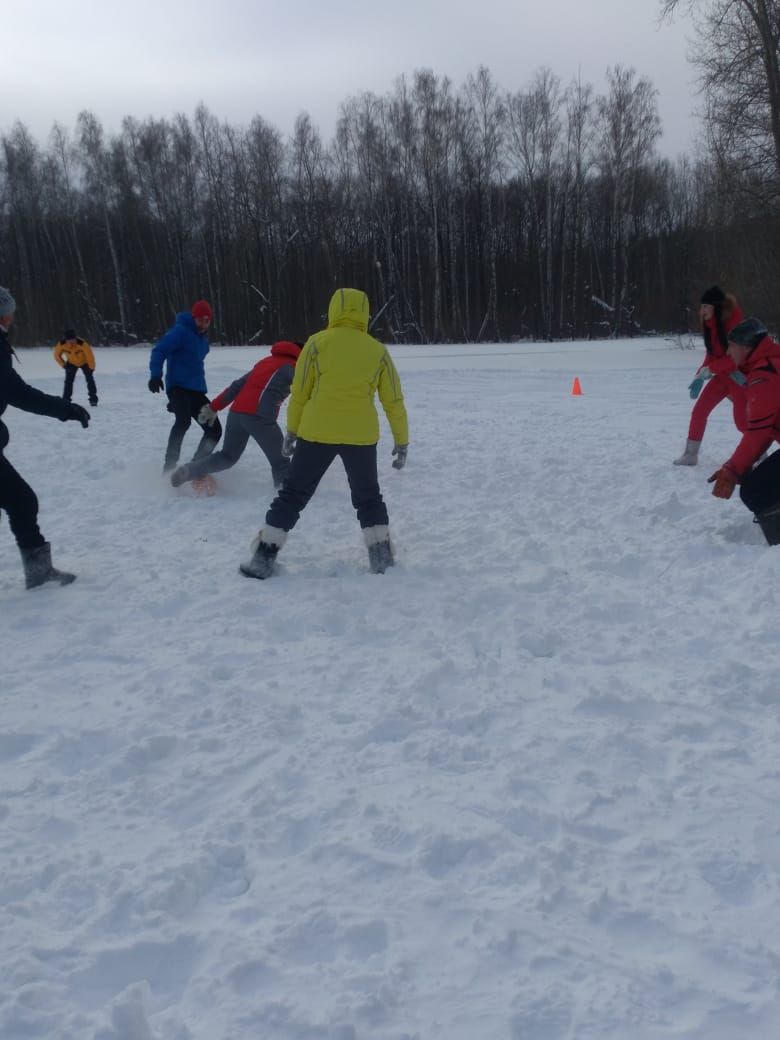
[718,312]
[255,400]
[17,498]
[182,350]
[74,354]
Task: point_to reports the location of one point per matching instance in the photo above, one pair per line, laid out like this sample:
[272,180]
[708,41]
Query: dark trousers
[185,405]
[310,463]
[760,489]
[238,429]
[70,375]
[19,500]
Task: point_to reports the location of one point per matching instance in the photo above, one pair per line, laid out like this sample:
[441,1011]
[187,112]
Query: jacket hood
[348,307]
[186,319]
[766,350]
[285,348]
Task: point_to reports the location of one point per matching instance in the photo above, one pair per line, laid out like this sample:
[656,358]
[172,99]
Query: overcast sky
[159,57]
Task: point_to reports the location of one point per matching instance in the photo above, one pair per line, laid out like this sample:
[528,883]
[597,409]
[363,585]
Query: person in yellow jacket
[73,353]
[332,412]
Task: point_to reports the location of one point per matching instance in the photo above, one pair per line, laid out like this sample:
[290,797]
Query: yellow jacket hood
[350,308]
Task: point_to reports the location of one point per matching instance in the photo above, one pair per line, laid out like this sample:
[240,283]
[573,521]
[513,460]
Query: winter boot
[180,476]
[38,569]
[690,456]
[265,547]
[93,401]
[380,551]
[769,522]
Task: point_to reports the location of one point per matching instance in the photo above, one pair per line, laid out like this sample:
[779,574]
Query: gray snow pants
[240,426]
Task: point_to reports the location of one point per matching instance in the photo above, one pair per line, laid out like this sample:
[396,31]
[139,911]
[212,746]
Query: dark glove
[725,480]
[400,451]
[694,388]
[288,445]
[79,414]
[155,384]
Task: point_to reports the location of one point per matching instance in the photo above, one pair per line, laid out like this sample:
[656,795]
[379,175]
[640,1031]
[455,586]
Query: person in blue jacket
[183,349]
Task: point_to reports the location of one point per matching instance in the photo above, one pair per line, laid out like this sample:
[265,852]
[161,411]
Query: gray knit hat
[7,303]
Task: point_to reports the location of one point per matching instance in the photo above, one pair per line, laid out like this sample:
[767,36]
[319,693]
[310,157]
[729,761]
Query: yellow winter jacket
[77,353]
[337,374]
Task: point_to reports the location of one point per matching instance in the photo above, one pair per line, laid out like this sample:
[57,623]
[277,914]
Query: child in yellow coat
[73,353]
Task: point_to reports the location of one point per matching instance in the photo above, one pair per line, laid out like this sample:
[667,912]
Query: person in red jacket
[719,312]
[255,401]
[756,354]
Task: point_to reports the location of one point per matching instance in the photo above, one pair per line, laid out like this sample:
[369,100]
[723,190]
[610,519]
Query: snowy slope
[522,787]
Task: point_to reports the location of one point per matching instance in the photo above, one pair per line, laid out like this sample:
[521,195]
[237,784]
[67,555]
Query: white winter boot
[690,456]
[265,547]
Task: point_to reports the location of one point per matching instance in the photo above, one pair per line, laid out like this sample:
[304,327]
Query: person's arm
[57,352]
[302,384]
[229,394]
[392,399]
[763,404]
[29,398]
[89,353]
[162,350]
[275,393]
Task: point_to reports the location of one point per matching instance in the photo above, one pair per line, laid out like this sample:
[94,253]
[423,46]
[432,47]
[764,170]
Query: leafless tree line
[467,214]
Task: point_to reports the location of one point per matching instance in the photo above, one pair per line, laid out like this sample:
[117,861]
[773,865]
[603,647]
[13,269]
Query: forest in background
[467,213]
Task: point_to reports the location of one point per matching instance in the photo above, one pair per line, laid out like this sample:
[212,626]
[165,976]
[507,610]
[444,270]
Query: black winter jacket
[14,391]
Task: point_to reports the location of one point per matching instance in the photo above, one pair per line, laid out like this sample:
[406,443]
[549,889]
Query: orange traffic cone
[576,389]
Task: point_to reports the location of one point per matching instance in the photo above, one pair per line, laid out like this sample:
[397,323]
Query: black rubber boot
[38,568]
[769,522]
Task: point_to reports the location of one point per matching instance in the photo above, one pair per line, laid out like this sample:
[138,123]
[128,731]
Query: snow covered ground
[524,786]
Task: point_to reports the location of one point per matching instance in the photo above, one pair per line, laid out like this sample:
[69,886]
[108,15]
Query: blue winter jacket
[184,349]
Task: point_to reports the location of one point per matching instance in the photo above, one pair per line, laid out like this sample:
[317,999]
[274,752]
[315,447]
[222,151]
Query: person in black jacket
[17,498]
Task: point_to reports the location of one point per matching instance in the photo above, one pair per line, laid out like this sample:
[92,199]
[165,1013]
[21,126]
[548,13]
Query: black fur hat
[713,295]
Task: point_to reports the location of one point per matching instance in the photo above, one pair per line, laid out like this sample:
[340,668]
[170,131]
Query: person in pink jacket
[718,312]
[755,353]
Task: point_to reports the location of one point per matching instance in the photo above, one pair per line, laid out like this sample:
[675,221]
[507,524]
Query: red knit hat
[202,309]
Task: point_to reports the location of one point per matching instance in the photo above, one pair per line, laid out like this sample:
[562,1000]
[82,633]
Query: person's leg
[715,391]
[70,375]
[91,388]
[309,464]
[19,500]
[760,488]
[307,469]
[236,437]
[361,467]
[268,437]
[179,404]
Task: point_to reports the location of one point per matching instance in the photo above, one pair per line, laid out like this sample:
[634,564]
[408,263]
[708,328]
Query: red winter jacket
[716,358]
[262,391]
[763,406]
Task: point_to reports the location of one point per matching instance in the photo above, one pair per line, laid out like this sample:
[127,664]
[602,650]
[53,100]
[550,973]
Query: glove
[207,416]
[400,451]
[155,384]
[288,445]
[694,388]
[79,414]
[725,480]
[738,377]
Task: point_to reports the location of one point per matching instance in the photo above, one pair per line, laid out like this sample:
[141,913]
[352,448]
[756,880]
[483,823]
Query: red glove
[725,480]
